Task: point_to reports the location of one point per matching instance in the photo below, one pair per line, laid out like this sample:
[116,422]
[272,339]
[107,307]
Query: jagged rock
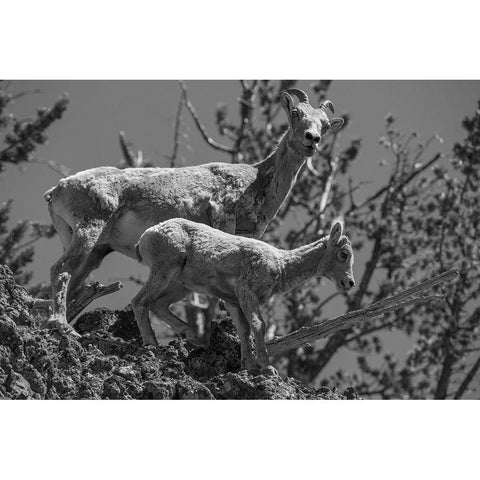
[109,361]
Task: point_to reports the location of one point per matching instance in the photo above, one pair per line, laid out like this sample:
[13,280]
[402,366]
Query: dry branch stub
[88,294]
[412,295]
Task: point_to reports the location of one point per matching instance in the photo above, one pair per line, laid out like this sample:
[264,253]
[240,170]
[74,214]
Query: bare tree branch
[407,180]
[88,294]
[200,126]
[176,134]
[328,299]
[328,185]
[246,109]
[468,378]
[56,167]
[324,328]
[25,93]
[128,155]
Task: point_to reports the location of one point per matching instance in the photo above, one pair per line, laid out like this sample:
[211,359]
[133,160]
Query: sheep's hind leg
[156,284]
[161,309]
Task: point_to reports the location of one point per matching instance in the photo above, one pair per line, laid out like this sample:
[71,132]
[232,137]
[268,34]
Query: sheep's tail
[137,253]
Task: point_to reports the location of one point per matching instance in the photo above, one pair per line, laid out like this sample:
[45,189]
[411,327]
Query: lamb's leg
[161,308]
[141,303]
[192,312]
[209,316]
[243,329]
[251,309]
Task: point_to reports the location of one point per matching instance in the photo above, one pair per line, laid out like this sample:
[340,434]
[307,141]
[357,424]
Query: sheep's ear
[287,103]
[336,231]
[336,124]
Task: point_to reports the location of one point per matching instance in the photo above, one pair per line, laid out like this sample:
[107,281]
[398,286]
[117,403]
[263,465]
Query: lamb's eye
[342,256]
[295,113]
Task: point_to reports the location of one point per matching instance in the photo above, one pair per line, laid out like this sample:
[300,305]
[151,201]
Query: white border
[218,39]
[238,440]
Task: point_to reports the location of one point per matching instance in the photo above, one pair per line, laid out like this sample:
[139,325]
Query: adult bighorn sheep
[185,256]
[106,209]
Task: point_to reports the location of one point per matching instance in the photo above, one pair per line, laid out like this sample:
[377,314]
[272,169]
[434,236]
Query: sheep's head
[308,125]
[337,258]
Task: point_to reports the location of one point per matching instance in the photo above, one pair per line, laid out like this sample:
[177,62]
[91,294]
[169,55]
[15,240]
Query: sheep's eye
[295,113]
[342,256]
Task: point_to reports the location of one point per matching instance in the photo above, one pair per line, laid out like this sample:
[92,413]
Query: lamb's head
[337,258]
[307,124]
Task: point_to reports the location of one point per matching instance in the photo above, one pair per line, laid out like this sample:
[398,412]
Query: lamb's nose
[312,137]
[351,283]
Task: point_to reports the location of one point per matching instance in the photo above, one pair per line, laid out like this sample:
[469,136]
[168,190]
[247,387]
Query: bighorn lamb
[106,209]
[185,256]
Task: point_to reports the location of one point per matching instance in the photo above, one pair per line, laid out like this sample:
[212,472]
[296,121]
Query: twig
[87,295]
[369,331]
[128,155]
[350,192]
[25,93]
[314,218]
[466,381]
[310,167]
[324,302]
[327,327]
[328,185]
[407,180]
[245,101]
[131,278]
[200,126]
[56,167]
[375,328]
[176,135]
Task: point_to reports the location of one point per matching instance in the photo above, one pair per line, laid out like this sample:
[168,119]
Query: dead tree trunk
[327,327]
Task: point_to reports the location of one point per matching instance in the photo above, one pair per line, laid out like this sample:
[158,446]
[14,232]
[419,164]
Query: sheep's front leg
[251,308]
[247,359]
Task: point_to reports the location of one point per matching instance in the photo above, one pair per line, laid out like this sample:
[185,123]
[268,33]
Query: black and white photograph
[275,239]
[239,240]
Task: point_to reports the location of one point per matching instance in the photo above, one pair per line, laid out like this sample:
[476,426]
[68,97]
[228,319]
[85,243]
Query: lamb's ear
[336,231]
[336,124]
[287,103]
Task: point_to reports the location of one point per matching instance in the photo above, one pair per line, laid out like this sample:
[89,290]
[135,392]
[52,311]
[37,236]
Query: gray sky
[87,137]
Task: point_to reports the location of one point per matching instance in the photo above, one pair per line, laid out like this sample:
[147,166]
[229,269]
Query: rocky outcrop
[108,361]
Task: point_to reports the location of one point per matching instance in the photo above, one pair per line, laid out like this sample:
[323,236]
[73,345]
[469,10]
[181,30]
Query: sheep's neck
[300,264]
[277,175]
